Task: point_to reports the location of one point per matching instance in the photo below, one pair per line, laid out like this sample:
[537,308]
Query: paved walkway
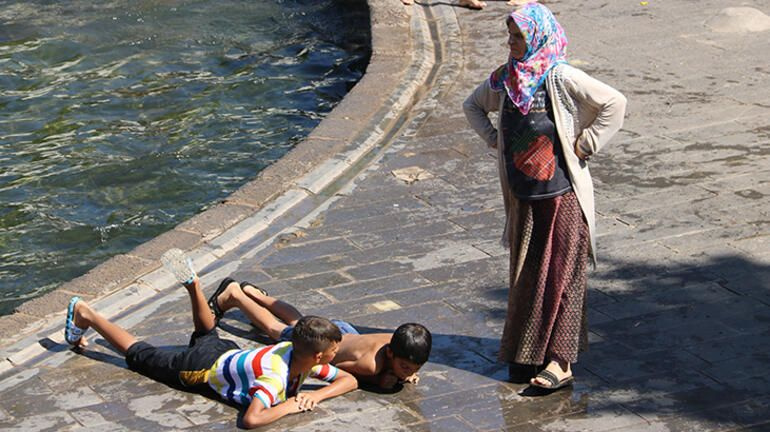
[678,307]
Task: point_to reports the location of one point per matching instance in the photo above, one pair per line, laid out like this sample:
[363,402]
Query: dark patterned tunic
[533,155]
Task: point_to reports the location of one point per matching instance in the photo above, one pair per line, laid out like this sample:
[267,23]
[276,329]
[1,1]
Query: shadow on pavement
[671,344]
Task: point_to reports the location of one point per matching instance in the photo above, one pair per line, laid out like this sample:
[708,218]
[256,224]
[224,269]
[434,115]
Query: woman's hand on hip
[580,154]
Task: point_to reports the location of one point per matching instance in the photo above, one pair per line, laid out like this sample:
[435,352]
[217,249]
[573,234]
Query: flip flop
[261,291]
[555,383]
[213,299]
[72,333]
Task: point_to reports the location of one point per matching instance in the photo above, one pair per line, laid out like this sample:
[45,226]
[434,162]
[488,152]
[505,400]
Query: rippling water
[121,119]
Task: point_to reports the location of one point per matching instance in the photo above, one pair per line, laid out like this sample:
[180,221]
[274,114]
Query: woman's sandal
[260,290]
[218,313]
[72,333]
[555,383]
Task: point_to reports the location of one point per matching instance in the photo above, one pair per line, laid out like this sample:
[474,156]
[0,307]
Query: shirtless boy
[382,359]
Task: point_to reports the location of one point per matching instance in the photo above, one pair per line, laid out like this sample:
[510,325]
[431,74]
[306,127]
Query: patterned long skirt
[547,296]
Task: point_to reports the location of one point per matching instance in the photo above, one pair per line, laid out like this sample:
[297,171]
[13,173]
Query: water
[121,119]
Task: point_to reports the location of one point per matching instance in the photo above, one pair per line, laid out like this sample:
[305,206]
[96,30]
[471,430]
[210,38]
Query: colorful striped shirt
[240,376]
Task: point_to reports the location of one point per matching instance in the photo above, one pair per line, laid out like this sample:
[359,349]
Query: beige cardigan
[587,113]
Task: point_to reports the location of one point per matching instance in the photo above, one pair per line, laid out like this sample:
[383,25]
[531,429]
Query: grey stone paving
[679,305]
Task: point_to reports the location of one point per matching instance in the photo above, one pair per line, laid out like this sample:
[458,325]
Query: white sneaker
[179,264]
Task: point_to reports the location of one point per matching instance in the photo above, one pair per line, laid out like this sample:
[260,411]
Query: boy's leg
[158,364]
[203,319]
[114,334]
[284,311]
[234,297]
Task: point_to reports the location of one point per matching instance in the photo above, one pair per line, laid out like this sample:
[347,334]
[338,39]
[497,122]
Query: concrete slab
[683,269]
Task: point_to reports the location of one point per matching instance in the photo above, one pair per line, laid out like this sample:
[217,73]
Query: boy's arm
[342,383]
[370,372]
[257,414]
[361,369]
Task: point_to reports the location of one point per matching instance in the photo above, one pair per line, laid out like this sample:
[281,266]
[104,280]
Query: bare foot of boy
[253,291]
[228,298]
[473,4]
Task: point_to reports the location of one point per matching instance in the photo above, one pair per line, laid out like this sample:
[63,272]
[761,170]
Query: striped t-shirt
[241,375]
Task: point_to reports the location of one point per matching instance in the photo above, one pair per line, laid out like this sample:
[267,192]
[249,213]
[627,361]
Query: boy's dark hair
[412,342]
[314,334]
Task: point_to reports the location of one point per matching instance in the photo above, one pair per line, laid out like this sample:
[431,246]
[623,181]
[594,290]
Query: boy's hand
[295,407]
[306,401]
[412,379]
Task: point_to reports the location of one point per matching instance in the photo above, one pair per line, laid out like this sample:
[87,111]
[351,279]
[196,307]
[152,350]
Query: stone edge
[254,204]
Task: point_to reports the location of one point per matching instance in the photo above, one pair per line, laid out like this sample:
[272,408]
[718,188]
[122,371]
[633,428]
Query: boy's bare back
[363,355]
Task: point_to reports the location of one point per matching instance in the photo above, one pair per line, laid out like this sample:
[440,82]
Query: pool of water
[121,119]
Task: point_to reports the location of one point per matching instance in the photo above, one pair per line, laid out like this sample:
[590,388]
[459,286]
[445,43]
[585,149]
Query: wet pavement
[679,304]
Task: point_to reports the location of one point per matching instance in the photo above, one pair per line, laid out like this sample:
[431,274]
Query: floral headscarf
[546,47]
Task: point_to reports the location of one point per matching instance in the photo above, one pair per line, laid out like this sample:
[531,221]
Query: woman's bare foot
[560,371]
[472,4]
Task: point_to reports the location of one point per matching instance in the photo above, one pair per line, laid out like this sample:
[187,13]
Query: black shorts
[188,367]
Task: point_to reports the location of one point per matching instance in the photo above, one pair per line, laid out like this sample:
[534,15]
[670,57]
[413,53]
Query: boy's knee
[137,354]
[238,296]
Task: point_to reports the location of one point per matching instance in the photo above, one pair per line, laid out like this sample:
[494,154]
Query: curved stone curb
[363,121]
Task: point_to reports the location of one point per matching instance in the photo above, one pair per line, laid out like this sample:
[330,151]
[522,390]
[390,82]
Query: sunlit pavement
[679,304]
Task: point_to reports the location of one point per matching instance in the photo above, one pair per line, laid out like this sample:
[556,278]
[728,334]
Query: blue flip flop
[72,333]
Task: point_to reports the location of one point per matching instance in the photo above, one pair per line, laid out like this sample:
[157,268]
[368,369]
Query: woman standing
[553,117]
